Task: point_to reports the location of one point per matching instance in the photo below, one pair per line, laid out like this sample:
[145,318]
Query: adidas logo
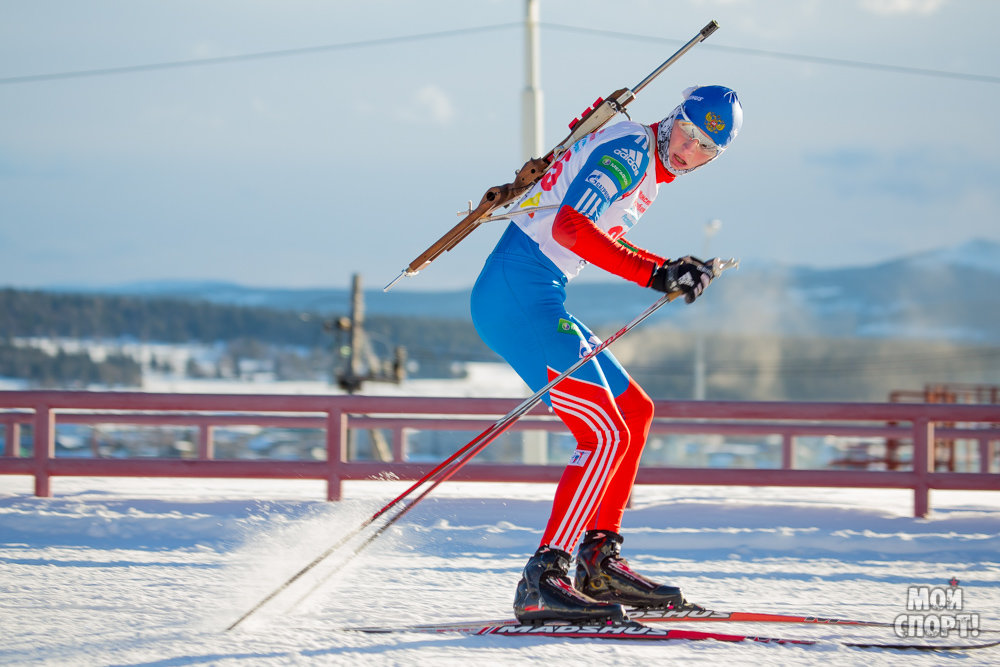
[633,158]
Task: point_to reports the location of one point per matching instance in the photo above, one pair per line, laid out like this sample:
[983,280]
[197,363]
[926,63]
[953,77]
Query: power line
[443,34]
[261,55]
[797,57]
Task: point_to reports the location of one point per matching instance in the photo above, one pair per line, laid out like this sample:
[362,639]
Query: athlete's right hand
[689,275]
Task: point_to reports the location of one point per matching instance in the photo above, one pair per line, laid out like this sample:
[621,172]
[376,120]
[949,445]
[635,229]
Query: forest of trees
[68,370]
[431,343]
[301,346]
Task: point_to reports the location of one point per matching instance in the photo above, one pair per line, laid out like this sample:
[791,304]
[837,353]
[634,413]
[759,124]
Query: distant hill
[947,294]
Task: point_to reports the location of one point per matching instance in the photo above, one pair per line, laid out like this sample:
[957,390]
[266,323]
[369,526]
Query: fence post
[336,436]
[398,444]
[787,451]
[923,464]
[43,448]
[206,442]
[12,436]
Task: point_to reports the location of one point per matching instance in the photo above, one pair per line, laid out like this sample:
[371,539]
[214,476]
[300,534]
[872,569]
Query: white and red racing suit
[600,188]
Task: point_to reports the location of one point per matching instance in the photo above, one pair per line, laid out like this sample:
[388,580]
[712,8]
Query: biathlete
[600,187]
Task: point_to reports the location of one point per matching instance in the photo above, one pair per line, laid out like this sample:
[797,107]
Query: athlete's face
[689,147]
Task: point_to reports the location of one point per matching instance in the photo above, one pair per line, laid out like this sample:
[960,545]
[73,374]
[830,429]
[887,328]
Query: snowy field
[150,572]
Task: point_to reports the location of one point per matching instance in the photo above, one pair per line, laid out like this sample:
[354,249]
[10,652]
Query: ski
[686,615]
[641,632]
[709,615]
[689,614]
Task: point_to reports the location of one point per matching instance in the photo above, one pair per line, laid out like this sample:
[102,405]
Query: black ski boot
[546,594]
[604,575]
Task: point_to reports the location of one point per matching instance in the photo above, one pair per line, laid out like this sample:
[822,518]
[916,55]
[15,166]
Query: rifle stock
[592,119]
[495,197]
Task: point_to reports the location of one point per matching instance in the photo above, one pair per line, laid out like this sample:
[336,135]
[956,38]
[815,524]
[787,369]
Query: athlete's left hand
[689,275]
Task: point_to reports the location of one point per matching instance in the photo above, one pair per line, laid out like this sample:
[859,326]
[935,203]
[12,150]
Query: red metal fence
[919,424]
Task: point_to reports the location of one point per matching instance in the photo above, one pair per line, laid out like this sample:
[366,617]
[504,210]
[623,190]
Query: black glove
[687,274]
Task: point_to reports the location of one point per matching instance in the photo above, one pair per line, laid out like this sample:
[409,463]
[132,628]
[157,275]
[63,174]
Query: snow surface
[150,572]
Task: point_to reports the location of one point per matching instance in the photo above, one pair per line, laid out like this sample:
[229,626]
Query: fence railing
[337,416]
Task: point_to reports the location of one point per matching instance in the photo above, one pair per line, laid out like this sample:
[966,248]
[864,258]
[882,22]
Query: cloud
[896,7]
[429,104]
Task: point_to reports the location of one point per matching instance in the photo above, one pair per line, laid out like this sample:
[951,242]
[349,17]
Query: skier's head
[700,129]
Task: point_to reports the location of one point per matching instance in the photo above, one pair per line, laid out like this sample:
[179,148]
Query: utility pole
[361,362]
[531,98]
[534,445]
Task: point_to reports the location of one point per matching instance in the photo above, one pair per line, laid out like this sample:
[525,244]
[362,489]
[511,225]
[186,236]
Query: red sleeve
[576,232]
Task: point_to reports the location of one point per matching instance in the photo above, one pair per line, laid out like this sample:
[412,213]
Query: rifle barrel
[705,32]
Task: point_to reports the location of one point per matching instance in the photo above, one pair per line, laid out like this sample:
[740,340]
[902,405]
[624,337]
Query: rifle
[592,119]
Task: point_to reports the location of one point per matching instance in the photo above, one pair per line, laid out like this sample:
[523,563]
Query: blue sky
[304,169]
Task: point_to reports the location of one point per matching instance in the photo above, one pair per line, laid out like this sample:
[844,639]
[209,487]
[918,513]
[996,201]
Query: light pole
[531,98]
[711,228]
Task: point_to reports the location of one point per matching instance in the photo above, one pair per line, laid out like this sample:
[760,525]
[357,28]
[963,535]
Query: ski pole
[447,468]
[465,454]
